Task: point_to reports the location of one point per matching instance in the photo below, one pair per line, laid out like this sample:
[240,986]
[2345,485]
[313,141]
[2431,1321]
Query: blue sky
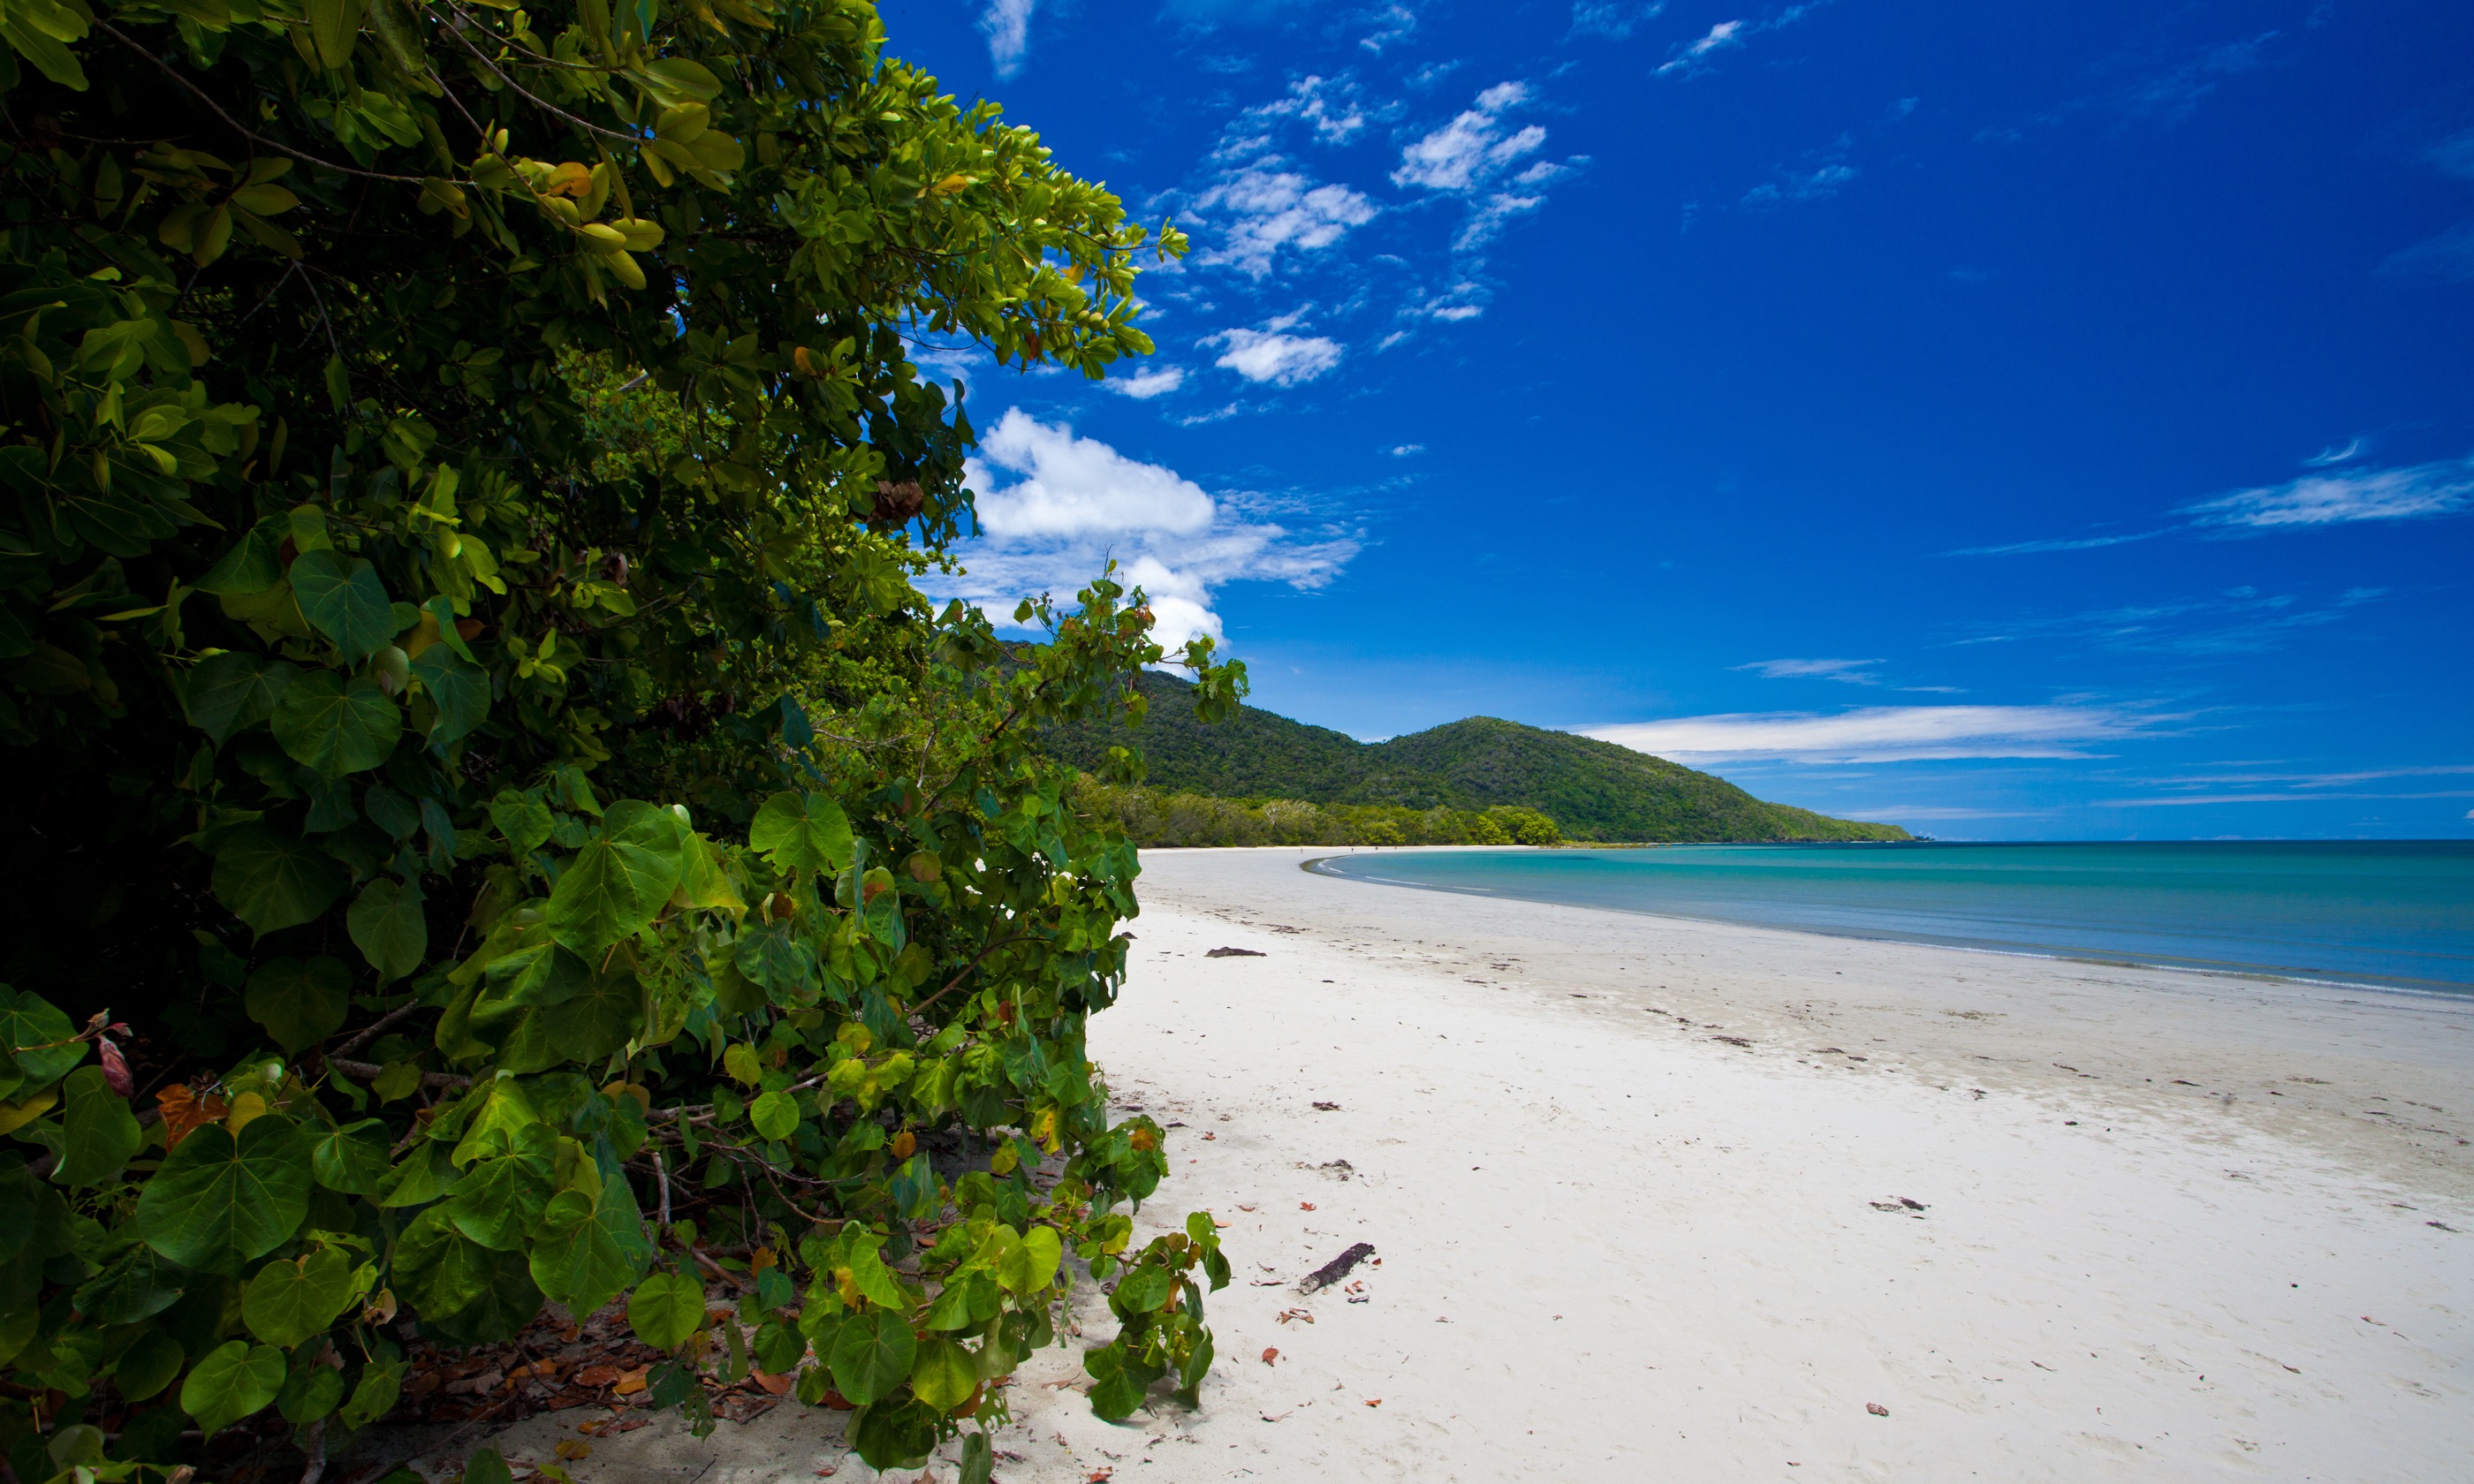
[2048,421]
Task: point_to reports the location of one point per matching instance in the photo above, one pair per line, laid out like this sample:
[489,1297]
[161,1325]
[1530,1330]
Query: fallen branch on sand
[1337,1268]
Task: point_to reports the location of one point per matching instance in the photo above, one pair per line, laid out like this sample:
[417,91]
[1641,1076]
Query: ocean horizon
[2392,915]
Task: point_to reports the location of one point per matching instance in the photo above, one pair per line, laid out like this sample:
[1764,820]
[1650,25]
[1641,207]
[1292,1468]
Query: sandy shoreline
[1625,1175]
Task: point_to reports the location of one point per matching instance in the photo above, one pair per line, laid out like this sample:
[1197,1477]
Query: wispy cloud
[1850,671]
[1688,56]
[2173,93]
[1007,24]
[1888,733]
[2419,491]
[1473,157]
[1692,57]
[2332,454]
[2288,798]
[1801,185]
[2340,497]
[1054,508]
[2239,622]
[1609,19]
[1393,24]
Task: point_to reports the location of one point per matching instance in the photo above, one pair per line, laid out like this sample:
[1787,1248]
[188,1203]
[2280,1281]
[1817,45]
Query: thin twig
[967,969]
[379,1027]
[662,1173]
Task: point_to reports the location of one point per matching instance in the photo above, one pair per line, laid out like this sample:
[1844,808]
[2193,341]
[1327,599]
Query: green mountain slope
[1594,790]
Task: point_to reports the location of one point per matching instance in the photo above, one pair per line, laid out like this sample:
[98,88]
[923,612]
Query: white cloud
[1282,359]
[1470,154]
[1271,209]
[2419,491]
[1150,382]
[1885,733]
[1850,671]
[1472,147]
[1397,22]
[1075,502]
[1329,106]
[1075,485]
[1812,186]
[1404,450]
[1007,24]
[1613,21]
[2332,454]
[1725,34]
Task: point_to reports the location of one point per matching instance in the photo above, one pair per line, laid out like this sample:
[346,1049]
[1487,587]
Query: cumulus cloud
[1007,24]
[1270,207]
[1885,733]
[1150,382]
[1054,508]
[1075,485]
[2416,492]
[1275,356]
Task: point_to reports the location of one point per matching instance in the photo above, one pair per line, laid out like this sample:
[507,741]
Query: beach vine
[497,822]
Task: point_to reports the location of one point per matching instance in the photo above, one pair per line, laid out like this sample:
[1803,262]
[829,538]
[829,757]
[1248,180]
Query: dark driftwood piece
[1337,1268]
[1236,953]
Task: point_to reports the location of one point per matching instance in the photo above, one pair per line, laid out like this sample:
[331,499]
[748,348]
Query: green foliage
[1151,817]
[461,483]
[1592,790]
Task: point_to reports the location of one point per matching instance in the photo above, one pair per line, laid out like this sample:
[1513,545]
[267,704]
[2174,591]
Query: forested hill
[1594,790]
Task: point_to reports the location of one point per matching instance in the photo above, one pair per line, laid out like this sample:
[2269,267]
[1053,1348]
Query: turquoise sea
[2393,913]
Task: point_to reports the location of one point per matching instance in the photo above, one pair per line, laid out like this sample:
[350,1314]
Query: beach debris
[1877,1409]
[1272,1418]
[1322,1107]
[2442,1225]
[1375,1401]
[1337,1169]
[1236,953]
[1271,1353]
[1305,1206]
[1356,1292]
[1733,1040]
[1287,1314]
[1337,1268]
[1245,1208]
[1210,1137]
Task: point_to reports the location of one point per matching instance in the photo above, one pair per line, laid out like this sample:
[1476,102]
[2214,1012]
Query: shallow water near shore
[2388,914]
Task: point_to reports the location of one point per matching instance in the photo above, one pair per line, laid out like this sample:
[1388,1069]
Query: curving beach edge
[1661,1199]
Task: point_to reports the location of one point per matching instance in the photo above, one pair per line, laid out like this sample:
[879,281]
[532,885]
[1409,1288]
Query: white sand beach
[1657,1199]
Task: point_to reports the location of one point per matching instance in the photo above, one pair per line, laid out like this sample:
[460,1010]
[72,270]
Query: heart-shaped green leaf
[43,1042]
[234,1379]
[351,1159]
[301,1004]
[147,1366]
[665,1308]
[288,1301]
[944,1375]
[235,689]
[588,1250]
[872,1354]
[272,881]
[775,1115]
[1030,1265]
[219,1201]
[390,927]
[802,832]
[461,691]
[337,726]
[343,599]
[611,889]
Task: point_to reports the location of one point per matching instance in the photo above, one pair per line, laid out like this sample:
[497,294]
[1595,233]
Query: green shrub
[481,755]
